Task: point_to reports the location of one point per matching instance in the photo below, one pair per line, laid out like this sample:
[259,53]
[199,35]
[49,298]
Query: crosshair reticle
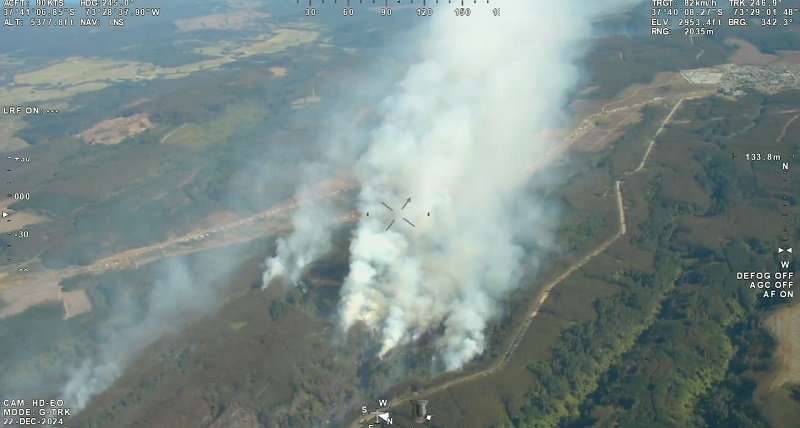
[407,201]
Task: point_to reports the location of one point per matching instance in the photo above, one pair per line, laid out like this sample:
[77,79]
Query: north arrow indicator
[386,417]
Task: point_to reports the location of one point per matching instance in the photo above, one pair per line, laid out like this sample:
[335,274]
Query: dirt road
[660,128]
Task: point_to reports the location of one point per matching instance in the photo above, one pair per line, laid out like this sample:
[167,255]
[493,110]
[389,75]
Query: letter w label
[383,402]
[785,264]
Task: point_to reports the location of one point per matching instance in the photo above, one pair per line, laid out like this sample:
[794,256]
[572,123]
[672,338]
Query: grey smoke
[461,134]
[315,242]
[178,296]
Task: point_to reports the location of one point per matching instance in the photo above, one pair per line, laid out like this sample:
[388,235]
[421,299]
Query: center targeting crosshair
[408,201]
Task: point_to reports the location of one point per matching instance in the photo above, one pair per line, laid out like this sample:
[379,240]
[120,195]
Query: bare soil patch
[113,131]
[789,57]
[278,71]
[136,103]
[75,303]
[785,325]
[190,178]
[18,299]
[20,220]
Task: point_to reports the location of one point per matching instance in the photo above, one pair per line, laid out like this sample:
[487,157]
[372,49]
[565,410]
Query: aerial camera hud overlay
[397,213]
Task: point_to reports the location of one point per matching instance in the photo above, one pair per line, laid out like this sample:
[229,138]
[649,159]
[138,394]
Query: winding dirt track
[785,127]
[660,129]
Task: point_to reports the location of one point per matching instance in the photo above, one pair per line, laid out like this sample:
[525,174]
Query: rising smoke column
[297,251]
[179,295]
[459,134]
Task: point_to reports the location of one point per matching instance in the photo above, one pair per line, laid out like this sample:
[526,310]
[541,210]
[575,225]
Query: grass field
[9,125]
[217,131]
[76,75]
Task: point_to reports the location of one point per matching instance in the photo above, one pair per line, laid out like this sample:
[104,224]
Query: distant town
[736,80]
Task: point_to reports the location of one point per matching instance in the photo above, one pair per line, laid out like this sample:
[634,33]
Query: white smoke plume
[179,296]
[298,251]
[460,134]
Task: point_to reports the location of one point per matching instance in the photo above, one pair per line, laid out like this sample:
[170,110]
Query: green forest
[682,344]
